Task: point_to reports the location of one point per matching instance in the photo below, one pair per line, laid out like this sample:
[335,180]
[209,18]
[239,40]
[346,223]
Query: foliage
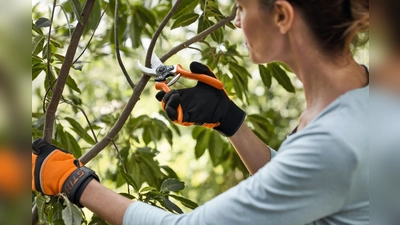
[95,95]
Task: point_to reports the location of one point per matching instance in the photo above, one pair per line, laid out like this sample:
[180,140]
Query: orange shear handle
[163,86]
[200,77]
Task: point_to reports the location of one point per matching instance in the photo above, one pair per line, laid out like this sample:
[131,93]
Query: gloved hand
[55,171]
[203,105]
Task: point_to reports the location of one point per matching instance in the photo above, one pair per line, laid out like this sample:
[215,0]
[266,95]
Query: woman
[319,175]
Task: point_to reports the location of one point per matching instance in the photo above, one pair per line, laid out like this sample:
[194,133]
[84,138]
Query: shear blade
[155,61]
[146,70]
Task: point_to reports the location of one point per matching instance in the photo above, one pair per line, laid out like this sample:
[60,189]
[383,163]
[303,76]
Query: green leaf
[218,36]
[70,81]
[77,8]
[266,76]
[37,44]
[73,146]
[286,67]
[185,20]
[71,214]
[186,202]
[147,16]
[41,203]
[56,218]
[80,130]
[240,79]
[94,17]
[186,7]
[37,69]
[170,205]
[147,189]
[135,29]
[56,44]
[128,179]
[126,195]
[203,140]
[42,22]
[37,30]
[172,184]
[96,220]
[215,148]
[281,76]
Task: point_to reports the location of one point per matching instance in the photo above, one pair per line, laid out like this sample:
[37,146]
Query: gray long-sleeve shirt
[319,176]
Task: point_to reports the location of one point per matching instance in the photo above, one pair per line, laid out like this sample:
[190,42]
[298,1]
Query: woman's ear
[283,15]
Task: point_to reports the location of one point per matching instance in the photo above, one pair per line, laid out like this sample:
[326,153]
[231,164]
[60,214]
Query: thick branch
[65,68]
[200,36]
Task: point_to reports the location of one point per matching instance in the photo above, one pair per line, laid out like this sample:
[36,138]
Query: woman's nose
[237,21]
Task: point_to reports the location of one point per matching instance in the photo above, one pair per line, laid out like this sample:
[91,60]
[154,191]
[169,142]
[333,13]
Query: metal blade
[155,61]
[146,70]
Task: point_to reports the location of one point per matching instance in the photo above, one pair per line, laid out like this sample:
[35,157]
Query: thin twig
[121,64]
[197,49]
[122,162]
[48,41]
[66,17]
[85,115]
[209,47]
[91,37]
[45,95]
[96,149]
[200,36]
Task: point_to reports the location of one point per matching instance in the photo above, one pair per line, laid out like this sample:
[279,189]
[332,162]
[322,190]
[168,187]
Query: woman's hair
[336,24]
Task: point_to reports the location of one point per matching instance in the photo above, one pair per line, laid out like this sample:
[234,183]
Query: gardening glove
[203,105]
[56,171]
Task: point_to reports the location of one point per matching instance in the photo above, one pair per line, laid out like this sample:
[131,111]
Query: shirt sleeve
[307,180]
[273,152]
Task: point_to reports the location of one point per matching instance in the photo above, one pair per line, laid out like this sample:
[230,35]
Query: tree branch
[158,32]
[200,36]
[62,78]
[65,68]
[121,64]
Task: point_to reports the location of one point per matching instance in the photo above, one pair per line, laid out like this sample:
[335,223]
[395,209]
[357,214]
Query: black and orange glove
[55,171]
[203,105]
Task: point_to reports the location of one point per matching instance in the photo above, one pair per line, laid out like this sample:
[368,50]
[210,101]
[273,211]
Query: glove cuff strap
[77,182]
[232,120]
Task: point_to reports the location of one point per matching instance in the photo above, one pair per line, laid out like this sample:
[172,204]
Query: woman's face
[262,36]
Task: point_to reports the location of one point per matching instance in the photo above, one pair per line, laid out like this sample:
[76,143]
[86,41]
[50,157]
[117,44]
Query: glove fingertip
[171,113]
[173,101]
[160,95]
[197,67]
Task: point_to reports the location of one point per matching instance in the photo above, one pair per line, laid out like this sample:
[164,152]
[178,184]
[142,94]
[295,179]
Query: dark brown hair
[335,24]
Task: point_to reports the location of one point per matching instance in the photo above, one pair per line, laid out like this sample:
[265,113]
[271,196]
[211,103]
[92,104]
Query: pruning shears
[161,72]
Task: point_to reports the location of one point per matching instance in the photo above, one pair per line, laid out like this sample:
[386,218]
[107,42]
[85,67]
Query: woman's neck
[325,79]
